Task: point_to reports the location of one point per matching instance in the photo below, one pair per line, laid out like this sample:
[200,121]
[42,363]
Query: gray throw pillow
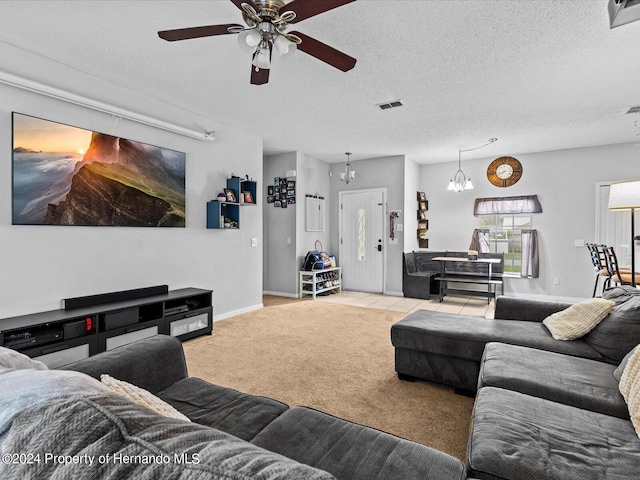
[617,334]
[617,373]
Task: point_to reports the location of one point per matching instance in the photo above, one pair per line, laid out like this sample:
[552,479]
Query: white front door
[362,240]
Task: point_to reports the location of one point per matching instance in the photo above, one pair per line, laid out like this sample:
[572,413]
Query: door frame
[385,245]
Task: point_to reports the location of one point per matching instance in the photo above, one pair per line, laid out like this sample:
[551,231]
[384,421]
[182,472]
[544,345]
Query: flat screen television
[65,175]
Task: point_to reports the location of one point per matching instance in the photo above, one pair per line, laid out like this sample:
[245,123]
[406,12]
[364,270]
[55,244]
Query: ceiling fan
[267,21]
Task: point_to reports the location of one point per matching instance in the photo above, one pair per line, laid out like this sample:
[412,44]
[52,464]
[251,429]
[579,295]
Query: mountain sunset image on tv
[64,175]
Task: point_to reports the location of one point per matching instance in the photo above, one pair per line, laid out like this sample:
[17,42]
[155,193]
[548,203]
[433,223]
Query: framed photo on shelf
[248,198]
[422,197]
[231,195]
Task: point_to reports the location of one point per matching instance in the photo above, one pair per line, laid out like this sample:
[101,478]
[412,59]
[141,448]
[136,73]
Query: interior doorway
[613,227]
[361,229]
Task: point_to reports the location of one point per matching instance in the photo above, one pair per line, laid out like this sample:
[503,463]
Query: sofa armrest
[527,309]
[153,363]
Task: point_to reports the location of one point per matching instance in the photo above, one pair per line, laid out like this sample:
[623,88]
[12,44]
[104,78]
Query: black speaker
[101,298]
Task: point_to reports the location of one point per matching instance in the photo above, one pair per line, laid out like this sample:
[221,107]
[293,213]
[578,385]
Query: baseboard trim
[552,298]
[394,294]
[222,316]
[281,294]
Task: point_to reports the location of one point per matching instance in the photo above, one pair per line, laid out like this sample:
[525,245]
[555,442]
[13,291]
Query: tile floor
[451,304]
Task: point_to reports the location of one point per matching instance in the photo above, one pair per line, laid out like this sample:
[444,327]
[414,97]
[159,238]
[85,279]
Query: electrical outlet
[254,242]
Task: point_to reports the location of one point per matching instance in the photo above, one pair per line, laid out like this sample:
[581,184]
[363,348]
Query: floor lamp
[626,196]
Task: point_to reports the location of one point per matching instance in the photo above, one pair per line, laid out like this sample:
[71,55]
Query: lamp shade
[624,195]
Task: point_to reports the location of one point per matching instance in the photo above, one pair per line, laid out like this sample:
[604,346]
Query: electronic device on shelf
[30,338]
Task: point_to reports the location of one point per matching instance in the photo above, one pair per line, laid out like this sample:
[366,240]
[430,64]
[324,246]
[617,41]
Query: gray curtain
[480,241]
[530,258]
[521,204]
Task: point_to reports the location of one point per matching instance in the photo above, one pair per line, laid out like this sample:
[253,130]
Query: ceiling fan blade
[324,52]
[197,32]
[308,8]
[238,3]
[259,76]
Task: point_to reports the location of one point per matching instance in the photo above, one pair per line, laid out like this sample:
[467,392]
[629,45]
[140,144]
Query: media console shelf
[93,324]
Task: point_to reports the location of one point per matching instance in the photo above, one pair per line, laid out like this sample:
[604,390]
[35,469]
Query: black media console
[93,324]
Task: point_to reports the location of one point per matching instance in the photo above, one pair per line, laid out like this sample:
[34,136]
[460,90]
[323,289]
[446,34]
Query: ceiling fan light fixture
[284,46]
[249,39]
[262,59]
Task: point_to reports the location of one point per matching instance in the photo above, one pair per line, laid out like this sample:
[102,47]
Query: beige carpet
[335,358]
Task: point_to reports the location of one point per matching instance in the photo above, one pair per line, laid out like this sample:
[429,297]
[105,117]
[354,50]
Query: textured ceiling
[537,74]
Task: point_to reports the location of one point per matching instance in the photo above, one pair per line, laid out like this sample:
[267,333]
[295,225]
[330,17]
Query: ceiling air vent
[633,110]
[388,105]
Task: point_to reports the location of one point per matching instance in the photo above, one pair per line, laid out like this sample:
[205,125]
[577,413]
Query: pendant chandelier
[460,181]
[349,173]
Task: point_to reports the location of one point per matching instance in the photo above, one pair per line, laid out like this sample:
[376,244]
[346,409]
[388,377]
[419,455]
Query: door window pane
[362,234]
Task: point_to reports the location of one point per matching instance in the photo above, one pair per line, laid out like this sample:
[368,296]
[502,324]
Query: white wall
[43,264]
[375,173]
[313,179]
[280,269]
[565,184]
[409,217]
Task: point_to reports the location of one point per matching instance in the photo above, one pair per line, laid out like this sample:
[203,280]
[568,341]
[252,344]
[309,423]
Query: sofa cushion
[578,319]
[354,452]
[579,382]
[620,368]
[518,437]
[617,334]
[156,446]
[465,337]
[223,408]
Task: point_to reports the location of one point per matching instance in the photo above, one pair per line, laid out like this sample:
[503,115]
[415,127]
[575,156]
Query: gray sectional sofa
[544,409]
[234,435]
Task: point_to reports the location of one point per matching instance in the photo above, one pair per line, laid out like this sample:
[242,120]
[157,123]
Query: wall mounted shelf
[218,211]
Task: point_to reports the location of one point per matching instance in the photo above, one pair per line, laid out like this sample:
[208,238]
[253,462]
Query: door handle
[379,248]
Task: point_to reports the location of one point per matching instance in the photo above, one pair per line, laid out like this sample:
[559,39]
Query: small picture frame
[423,225]
[231,195]
[271,199]
[291,184]
[291,192]
[276,182]
[284,203]
[291,200]
[422,197]
[283,188]
[422,215]
[424,205]
[277,203]
[270,190]
[248,198]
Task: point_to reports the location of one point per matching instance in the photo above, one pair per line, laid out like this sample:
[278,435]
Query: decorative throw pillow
[578,319]
[18,361]
[142,397]
[630,388]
